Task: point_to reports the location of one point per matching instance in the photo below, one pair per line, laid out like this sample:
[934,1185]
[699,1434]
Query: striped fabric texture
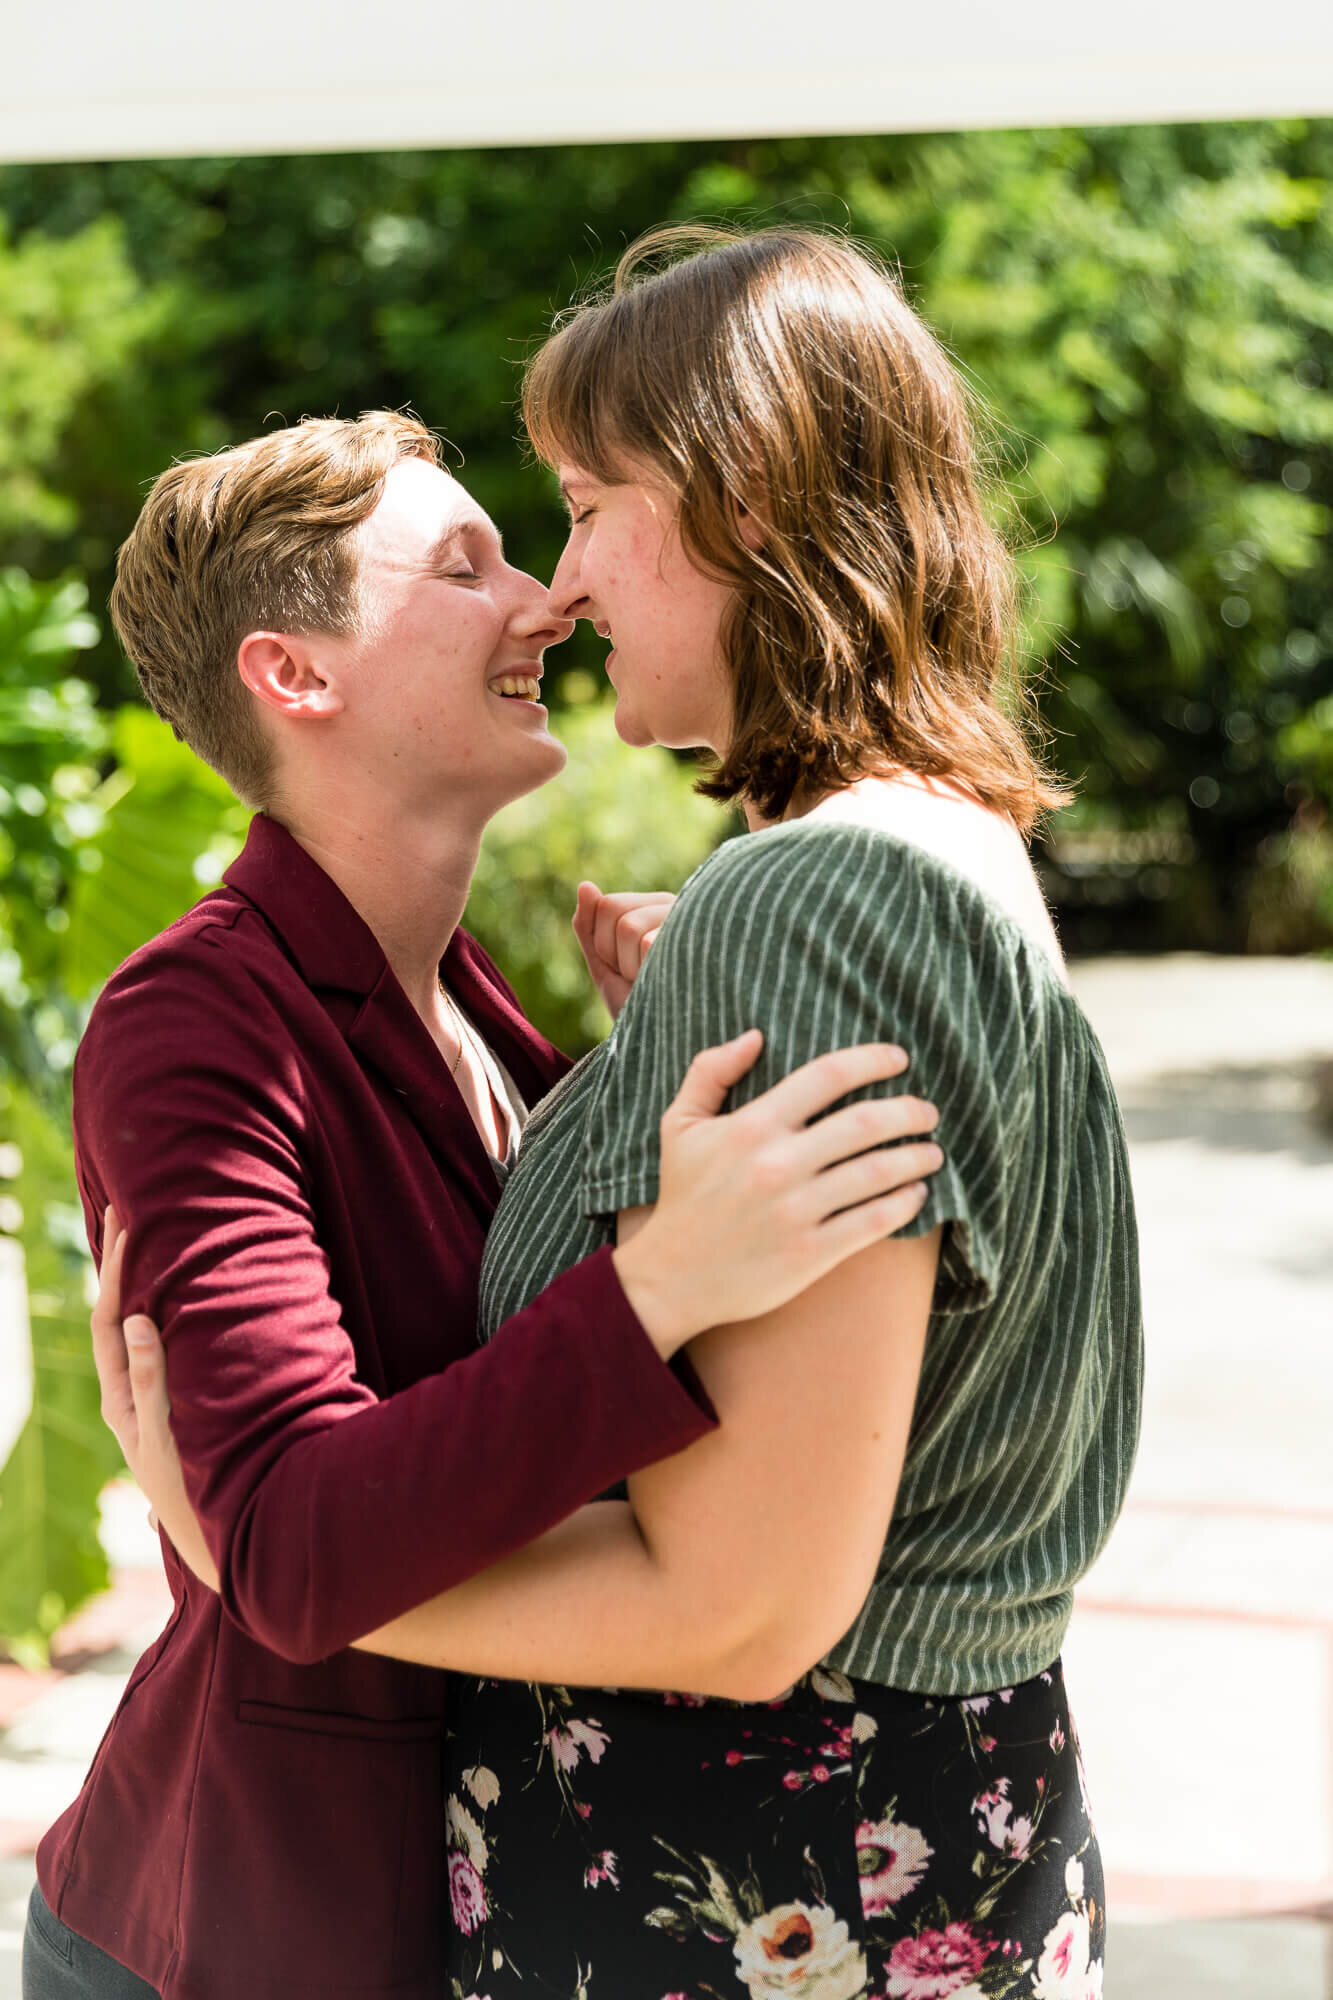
[1026,1419]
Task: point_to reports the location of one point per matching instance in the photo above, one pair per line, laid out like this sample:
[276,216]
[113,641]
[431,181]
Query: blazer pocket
[328,1722]
[316,1842]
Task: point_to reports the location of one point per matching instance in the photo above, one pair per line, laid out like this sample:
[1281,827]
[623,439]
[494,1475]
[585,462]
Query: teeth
[524,685]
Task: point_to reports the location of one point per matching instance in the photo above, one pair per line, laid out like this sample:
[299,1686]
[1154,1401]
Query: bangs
[581,402]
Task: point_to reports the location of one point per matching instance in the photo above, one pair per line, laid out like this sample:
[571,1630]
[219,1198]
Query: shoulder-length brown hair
[783,372]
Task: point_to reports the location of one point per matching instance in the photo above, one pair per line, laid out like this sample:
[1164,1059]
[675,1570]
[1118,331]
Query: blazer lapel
[390,1037]
[340,958]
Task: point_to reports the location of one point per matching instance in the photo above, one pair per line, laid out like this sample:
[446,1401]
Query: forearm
[589,1604]
[742,1559]
[353,1523]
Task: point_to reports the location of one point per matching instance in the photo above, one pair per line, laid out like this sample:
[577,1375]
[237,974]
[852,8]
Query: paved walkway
[1201,1655]
[1200,1661]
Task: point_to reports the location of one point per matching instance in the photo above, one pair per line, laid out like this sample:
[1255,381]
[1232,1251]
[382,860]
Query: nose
[567,599]
[537,620]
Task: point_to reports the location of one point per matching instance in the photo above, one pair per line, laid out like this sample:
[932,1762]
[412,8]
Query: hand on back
[756,1205]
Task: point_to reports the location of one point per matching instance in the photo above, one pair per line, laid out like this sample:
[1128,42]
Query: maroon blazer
[307,1200]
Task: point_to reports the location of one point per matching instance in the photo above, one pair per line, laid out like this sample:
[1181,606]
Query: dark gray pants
[60,1965]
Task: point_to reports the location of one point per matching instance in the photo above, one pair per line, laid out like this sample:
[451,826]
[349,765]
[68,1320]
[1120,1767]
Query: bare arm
[737,1563]
[740,1561]
[777,1202]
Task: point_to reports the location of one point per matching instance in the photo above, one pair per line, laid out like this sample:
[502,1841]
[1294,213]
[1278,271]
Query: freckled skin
[446,621]
[624,567]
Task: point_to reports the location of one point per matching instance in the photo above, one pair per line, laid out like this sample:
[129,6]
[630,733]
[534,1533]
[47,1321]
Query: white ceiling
[167,77]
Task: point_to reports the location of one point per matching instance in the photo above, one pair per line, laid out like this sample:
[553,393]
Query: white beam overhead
[163,78]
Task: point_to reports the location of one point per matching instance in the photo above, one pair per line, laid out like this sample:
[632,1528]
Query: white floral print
[1063,1968]
[569,1741]
[799,1951]
[483,1785]
[892,1858]
[995,1817]
[464,1833]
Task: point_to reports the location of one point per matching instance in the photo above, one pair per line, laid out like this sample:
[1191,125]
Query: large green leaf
[170,827]
[164,827]
[50,1555]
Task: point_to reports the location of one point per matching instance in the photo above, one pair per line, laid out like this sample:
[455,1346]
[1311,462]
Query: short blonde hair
[257,537]
[784,372]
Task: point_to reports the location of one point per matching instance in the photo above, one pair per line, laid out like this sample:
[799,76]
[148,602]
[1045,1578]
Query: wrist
[656,1295]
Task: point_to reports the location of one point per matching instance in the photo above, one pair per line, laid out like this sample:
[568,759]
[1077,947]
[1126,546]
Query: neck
[406,876]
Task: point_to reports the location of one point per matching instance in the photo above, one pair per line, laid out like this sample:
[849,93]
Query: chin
[637,737]
[541,769]
[632,730]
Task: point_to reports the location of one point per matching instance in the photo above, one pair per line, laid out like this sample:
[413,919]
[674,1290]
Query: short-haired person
[776,518]
[302,1100]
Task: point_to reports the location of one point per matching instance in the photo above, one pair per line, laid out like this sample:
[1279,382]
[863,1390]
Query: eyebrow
[471,524]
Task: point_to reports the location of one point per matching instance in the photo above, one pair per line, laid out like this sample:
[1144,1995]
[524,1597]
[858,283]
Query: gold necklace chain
[458,1027]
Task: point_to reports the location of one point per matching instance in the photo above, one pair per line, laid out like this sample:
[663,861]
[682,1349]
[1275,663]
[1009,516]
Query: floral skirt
[846,1842]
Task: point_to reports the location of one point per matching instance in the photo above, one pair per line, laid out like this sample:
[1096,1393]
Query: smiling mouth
[518,687]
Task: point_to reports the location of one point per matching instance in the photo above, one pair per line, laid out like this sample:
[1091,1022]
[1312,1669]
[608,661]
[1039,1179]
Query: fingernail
[139,1332]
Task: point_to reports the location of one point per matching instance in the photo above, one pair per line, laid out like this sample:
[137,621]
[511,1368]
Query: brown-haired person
[301,1100]
[776,518]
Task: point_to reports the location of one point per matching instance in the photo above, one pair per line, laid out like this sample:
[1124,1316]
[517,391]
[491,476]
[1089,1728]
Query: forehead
[420,506]
[571,476]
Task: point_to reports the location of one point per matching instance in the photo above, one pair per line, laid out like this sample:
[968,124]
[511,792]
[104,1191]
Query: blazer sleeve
[191,1116]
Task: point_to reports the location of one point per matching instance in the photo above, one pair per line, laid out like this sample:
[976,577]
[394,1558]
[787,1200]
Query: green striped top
[1026,1417]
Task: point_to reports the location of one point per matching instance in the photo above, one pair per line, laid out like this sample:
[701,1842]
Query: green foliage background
[1146,316]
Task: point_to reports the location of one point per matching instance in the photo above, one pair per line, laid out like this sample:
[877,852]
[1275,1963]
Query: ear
[749,528]
[289,674]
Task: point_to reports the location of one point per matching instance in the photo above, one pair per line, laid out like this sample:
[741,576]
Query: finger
[148,1374]
[626,906]
[630,931]
[874,1121]
[109,1356]
[114,1240]
[108,1338]
[855,1229]
[819,1084]
[648,938]
[585,916]
[586,899]
[710,1076]
[869,1176]
[610,910]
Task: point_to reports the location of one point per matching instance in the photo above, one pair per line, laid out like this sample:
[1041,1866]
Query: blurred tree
[1147,317]
[72,313]
[1147,314]
[51,736]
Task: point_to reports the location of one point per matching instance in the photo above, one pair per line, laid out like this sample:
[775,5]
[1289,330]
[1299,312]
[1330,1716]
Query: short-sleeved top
[1026,1417]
